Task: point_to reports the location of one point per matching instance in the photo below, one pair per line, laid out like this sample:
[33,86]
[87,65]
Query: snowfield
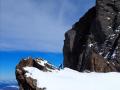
[68,79]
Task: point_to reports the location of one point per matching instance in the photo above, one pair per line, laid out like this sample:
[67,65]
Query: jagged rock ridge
[93,43]
[28,83]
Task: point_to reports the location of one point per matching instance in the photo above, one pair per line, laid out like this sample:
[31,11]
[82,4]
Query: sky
[34,28]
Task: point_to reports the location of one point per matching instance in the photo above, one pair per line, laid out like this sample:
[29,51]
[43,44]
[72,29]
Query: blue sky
[35,26]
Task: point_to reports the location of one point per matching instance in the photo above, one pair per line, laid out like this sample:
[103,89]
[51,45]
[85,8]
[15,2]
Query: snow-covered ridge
[38,74]
[68,79]
[29,83]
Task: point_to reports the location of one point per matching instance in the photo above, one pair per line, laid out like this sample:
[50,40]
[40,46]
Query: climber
[60,66]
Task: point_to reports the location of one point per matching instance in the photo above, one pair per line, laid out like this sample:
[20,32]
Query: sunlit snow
[68,79]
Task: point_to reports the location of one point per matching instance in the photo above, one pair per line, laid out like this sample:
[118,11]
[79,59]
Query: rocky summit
[93,43]
[28,83]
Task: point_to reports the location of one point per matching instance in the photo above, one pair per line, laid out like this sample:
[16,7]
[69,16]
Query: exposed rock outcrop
[93,43]
[28,83]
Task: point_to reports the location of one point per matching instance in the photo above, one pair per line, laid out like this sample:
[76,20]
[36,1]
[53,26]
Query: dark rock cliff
[93,43]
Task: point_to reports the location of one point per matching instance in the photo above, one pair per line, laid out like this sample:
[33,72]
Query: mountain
[29,83]
[38,74]
[91,46]
[93,43]
[8,85]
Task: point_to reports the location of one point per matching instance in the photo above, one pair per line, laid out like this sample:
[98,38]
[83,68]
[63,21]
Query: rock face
[28,83]
[93,43]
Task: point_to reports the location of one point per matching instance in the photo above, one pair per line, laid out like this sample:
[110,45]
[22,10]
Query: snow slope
[68,79]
